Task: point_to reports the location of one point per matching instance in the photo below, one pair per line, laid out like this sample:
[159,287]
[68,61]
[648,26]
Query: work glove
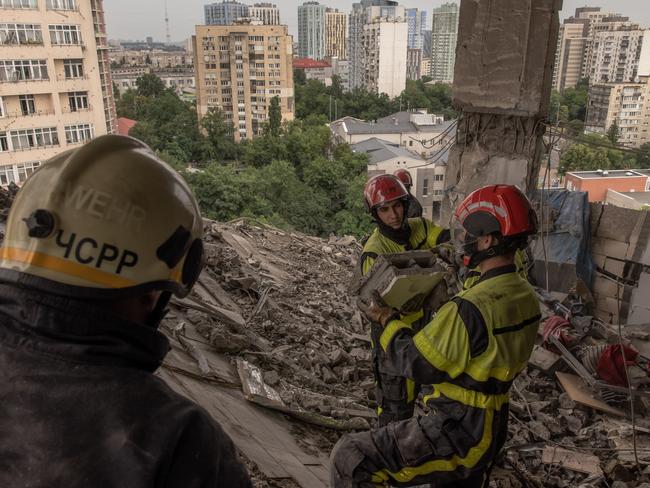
[376,310]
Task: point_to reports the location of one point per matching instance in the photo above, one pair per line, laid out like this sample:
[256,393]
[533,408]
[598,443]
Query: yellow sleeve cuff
[392,328]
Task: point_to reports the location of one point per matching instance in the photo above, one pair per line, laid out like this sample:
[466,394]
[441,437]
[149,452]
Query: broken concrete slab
[404,280]
[573,460]
[578,391]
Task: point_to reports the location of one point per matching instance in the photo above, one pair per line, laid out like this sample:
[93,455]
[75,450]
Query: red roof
[125,125]
[305,63]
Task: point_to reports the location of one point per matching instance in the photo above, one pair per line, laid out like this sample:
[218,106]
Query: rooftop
[379,150]
[614,173]
[397,123]
[125,125]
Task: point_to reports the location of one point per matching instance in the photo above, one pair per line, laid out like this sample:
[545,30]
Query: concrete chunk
[403,280]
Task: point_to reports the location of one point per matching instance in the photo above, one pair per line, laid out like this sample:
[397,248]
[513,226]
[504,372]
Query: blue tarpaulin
[568,244]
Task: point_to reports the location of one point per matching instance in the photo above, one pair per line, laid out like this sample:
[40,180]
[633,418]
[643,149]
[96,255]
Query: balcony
[21,114]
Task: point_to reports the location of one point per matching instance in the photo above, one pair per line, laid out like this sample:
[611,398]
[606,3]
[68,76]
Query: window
[21,70]
[2,108]
[30,138]
[20,34]
[75,134]
[19,4]
[7,175]
[73,68]
[425,187]
[25,170]
[61,5]
[440,177]
[4,142]
[78,101]
[27,105]
[64,34]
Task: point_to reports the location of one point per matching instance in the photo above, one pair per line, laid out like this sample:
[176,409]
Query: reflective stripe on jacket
[476,344]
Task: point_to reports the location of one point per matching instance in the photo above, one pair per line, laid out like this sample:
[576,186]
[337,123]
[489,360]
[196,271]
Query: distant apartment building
[311,30]
[426,44]
[625,104]
[413,64]
[324,71]
[377,46]
[617,55]
[155,58]
[267,13]
[416,20]
[602,46]
[336,33]
[597,183]
[224,13]
[178,80]
[425,67]
[444,35]
[239,69]
[55,84]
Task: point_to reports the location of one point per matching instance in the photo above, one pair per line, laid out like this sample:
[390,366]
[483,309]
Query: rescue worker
[388,201]
[415,209]
[97,241]
[471,352]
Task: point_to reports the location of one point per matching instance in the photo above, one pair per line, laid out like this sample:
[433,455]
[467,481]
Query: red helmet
[502,209]
[497,208]
[383,189]
[404,176]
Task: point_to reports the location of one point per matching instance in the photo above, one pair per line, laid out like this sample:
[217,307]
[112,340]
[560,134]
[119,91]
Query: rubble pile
[295,322]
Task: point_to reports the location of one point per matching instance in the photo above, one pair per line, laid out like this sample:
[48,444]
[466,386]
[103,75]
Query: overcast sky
[137,19]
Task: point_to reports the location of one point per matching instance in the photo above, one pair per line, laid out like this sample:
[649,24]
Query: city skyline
[128,20]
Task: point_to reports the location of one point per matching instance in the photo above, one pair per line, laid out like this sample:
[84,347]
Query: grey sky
[137,19]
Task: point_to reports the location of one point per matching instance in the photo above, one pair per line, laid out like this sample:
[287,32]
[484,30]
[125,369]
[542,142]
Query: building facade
[570,54]
[178,80]
[154,58]
[239,69]
[417,24]
[625,104]
[616,55]
[377,46]
[55,84]
[267,13]
[224,13]
[414,64]
[311,30]
[444,35]
[336,33]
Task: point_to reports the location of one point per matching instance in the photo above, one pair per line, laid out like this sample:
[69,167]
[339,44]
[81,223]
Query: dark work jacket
[80,407]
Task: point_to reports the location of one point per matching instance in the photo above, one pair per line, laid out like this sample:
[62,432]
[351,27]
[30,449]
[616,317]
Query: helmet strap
[160,310]
[477,257]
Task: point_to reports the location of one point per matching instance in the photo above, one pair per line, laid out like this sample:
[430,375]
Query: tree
[643,157]
[299,77]
[219,134]
[581,157]
[614,133]
[275,117]
[149,85]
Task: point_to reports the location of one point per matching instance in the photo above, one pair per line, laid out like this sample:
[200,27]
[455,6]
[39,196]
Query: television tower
[168,37]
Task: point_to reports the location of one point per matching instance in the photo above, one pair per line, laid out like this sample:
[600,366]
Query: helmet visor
[463,241]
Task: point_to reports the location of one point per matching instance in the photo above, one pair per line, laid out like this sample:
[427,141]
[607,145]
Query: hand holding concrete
[376,310]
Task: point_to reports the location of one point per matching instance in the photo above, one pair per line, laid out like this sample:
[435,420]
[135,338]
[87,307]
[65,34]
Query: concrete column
[502,84]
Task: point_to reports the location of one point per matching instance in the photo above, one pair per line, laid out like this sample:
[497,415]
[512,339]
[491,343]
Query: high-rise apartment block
[55,85]
[625,104]
[225,13]
[444,35]
[602,46]
[615,55]
[413,64]
[417,24]
[240,68]
[267,13]
[377,46]
[336,33]
[311,30]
